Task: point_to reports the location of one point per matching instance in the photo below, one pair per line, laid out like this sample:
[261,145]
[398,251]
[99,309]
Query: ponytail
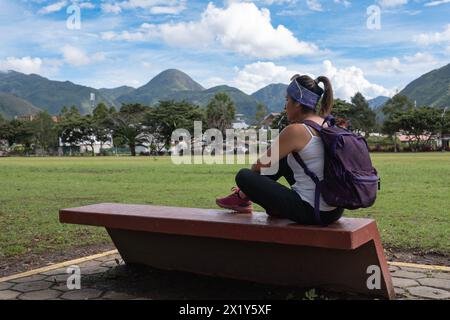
[327,98]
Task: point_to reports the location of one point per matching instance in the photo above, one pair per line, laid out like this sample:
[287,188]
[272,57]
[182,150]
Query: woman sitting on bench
[295,203]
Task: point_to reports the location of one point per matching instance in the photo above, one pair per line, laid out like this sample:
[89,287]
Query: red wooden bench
[252,247]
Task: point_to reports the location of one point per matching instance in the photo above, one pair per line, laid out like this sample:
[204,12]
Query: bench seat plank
[347,233]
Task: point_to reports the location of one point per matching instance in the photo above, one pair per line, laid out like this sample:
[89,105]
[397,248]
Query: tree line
[420,124]
[132,125]
[135,125]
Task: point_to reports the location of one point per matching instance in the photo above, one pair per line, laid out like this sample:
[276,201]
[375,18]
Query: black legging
[278,200]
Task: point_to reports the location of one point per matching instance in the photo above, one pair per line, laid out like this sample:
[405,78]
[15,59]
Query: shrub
[106,152]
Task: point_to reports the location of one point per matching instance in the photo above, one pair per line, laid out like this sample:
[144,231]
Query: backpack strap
[314,178]
[313,124]
[308,129]
[329,120]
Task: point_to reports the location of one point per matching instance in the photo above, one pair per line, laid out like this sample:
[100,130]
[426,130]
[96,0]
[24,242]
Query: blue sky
[246,44]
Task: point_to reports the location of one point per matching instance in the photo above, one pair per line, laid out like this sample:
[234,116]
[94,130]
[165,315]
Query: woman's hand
[291,138]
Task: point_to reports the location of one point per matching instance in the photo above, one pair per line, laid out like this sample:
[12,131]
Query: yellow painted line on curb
[419,266]
[108,253]
[57,266]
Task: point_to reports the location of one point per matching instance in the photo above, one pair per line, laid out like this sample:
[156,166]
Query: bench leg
[299,266]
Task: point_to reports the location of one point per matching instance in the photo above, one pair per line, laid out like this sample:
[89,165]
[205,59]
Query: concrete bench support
[248,247]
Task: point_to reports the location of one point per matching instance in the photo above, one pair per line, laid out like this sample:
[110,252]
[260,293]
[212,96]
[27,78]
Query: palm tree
[127,124]
[220,112]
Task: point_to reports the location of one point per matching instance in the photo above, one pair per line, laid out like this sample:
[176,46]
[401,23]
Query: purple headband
[302,95]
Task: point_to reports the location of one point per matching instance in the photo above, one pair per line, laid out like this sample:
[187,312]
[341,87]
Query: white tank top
[313,155]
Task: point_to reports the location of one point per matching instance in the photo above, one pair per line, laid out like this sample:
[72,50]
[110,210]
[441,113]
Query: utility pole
[92,100]
[442,129]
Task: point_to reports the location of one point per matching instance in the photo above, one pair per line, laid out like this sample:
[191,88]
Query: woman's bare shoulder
[295,128]
[297,132]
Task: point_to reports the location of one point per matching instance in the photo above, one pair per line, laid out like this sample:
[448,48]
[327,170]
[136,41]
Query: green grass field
[412,210]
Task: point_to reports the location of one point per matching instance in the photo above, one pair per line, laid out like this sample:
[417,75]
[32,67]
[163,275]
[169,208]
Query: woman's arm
[292,138]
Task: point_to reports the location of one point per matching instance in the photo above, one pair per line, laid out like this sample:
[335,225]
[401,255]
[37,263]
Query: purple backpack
[350,181]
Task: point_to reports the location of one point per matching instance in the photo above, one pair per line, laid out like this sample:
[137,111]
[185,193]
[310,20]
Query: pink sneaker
[235,203]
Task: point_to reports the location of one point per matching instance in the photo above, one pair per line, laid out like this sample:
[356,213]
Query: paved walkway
[105,276]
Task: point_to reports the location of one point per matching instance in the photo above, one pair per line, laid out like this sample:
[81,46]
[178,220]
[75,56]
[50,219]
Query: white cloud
[392,3]
[314,5]
[257,75]
[142,4]
[240,27]
[146,32]
[86,5]
[345,3]
[25,65]
[271,2]
[54,7]
[421,57]
[58,6]
[76,57]
[214,81]
[111,8]
[168,9]
[152,6]
[420,60]
[436,3]
[263,2]
[348,81]
[434,37]
[392,65]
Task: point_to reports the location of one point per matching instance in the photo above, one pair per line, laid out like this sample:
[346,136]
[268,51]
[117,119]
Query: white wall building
[239,122]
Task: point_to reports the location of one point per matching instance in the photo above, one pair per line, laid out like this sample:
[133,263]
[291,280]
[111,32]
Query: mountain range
[50,95]
[432,89]
[272,96]
[377,102]
[115,93]
[11,105]
[24,94]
